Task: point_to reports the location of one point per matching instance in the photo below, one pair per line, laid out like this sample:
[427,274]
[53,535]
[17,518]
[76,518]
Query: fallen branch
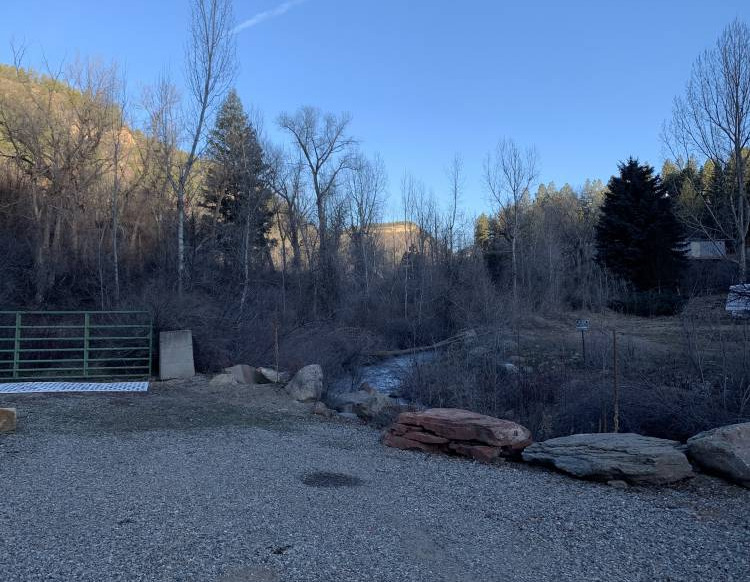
[463,336]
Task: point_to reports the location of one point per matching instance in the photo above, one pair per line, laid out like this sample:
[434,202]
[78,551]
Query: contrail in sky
[267,15]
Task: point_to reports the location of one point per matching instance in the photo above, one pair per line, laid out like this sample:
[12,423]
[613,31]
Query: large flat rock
[463,425]
[633,458]
[459,432]
[725,451]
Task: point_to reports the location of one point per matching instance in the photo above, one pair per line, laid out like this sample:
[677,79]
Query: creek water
[385,375]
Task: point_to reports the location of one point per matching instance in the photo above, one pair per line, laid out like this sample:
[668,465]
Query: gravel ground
[241,489]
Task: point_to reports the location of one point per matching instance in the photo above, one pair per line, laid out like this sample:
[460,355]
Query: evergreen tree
[483,232]
[489,240]
[638,236]
[235,190]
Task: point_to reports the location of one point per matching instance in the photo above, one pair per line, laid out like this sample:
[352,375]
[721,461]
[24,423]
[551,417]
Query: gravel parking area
[235,484]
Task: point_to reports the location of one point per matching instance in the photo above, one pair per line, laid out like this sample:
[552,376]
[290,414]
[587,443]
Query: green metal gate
[75,345]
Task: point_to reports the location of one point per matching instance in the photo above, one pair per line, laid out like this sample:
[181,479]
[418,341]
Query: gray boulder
[375,405]
[243,374]
[307,384]
[322,410]
[346,401]
[223,380]
[628,457]
[267,375]
[724,450]
[364,403]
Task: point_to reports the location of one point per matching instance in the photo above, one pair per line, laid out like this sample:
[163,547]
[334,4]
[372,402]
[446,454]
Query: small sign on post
[582,325]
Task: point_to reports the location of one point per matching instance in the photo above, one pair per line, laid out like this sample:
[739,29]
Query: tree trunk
[283,274]
[296,250]
[323,288]
[365,265]
[115,225]
[742,217]
[514,272]
[40,254]
[743,227]
[180,240]
[246,262]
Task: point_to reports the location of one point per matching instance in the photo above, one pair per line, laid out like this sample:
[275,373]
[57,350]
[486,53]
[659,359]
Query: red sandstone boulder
[481,453]
[451,430]
[425,437]
[7,419]
[463,425]
[400,442]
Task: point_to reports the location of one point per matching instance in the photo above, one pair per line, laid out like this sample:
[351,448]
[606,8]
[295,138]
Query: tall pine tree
[638,236]
[235,193]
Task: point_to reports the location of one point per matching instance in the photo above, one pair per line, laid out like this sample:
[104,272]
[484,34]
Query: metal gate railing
[75,345]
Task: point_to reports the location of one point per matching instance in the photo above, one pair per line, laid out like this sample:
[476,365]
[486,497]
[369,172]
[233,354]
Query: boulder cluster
[610,457]
[305,386]
[616,458]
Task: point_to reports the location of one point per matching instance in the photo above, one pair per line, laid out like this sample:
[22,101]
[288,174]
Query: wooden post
[616,393]
[583,347]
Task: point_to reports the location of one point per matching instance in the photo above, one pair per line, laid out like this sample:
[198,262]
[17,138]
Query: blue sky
[587,82]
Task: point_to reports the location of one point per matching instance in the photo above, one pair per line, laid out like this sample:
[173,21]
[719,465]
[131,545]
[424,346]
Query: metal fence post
[86,331]
[17,345]
[616,390]
[150,346]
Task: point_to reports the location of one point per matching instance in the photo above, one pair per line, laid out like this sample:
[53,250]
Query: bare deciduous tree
[157,155]
[509,173]
[365,191]
[456,180]
[712,121]
[327,151]
[210,67]
[53,130]
[286,180]
[119,130]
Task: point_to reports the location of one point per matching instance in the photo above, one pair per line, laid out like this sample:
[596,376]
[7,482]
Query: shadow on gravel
[324,479]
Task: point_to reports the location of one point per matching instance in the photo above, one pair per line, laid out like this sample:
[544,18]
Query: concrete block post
[176,355]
